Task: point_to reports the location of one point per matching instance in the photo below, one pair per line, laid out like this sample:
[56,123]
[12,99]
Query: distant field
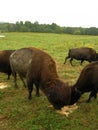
[17,113]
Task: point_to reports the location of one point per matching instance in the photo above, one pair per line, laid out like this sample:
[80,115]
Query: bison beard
[40,69]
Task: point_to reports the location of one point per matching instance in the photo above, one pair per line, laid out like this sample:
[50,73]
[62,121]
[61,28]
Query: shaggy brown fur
[5,62]
[87,82]
[40,69]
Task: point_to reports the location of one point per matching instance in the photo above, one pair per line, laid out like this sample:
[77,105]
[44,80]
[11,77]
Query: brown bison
[83,53]
[39,68]
[87,82]
[5,62]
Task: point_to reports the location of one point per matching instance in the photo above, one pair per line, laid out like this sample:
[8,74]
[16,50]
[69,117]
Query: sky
[69,13]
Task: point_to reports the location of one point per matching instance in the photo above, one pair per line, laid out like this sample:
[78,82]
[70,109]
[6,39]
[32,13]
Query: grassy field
[17,113]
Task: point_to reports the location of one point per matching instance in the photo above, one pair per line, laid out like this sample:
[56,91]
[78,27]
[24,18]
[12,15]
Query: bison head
[75,95]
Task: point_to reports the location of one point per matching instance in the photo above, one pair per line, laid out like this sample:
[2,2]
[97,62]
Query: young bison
[83,53]
[87,82]
[5,62]
[40,69]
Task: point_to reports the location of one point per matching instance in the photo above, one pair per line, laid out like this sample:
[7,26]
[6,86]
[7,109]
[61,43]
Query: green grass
[17,113]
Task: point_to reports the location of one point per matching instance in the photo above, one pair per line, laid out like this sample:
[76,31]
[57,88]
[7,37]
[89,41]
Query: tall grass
[17,113]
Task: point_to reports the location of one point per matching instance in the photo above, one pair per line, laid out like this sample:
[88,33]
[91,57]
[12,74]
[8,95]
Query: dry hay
[3,85]
[66,110]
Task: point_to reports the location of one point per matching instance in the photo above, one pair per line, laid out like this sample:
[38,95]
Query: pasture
[18,113]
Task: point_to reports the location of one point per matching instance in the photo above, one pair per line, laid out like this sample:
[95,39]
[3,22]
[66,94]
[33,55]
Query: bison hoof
[29,97]
[37,95]
[88,101]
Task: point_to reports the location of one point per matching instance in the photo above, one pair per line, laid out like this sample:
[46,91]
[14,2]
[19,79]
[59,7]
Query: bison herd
[39,69]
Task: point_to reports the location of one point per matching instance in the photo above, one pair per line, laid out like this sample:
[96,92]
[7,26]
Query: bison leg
[66,59]
[22,81]
[9,73]
[30,89]
[37,90]
[81,62]
[15,79]
[71,61]
[8,77]
[92,94]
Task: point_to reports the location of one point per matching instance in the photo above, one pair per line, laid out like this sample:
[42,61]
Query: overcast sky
[73,13]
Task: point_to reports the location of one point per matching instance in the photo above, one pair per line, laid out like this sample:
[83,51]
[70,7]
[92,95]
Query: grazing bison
[83,53]
[5,61]
[40,69]
[87,82]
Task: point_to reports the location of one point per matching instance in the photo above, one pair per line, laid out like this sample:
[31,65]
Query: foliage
[17,113]
[27,26]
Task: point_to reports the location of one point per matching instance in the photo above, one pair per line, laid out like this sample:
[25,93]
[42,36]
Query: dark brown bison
[5,62]
[83,53]
[87,82]
[39,68]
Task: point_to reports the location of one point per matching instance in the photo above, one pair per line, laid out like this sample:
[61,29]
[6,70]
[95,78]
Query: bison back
[20,60]
[34,62]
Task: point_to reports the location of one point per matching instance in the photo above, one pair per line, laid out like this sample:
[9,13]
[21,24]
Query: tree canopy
[27,26]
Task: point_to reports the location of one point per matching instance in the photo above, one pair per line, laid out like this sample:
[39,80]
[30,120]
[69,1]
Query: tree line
[27,26]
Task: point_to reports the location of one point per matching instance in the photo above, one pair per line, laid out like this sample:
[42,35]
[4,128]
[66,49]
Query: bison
[5,62]
[87,82]
[83,53]
[39,68]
